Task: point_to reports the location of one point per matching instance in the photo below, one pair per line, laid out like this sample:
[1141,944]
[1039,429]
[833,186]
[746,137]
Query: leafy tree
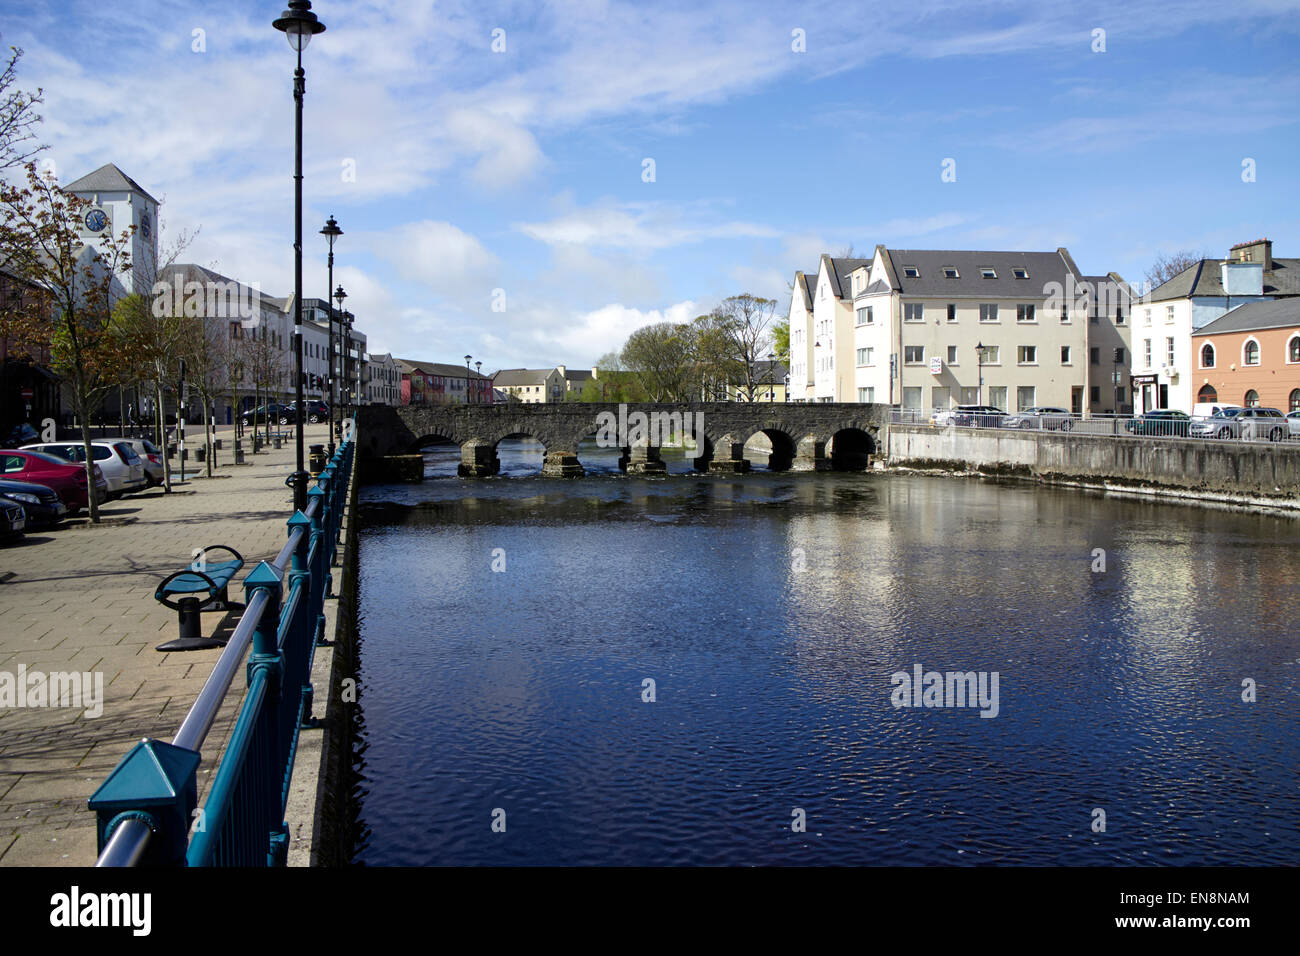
[660,354]
[40,241]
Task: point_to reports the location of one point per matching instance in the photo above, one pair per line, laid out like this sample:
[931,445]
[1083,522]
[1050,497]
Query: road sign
[27,393]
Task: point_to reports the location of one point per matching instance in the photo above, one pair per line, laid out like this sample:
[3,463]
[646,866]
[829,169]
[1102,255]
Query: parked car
[43,506]
[123,469]
[1040,417]
[22,434]
[67,479]
[1293,423]
[274,412]
[1210,409]
[1255,424]
[13,520]
[1161,423]
[978,416]
[151,457]
[1244,424]
[313,409]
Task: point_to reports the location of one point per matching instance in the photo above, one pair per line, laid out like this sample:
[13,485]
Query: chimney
[594,370]
[1257,250]
[564,372]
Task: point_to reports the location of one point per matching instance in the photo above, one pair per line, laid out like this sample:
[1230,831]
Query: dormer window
[1020,273]
[988,272]
[950,272]
[911,272]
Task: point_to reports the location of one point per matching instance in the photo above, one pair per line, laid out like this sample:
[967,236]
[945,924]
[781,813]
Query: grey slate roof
[1254,316]
[407,366]
[1042,268]
[1206,279]
[107,179]
[509,377]
[839,272]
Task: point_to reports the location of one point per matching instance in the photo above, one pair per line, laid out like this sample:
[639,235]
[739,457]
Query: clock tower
[117,203]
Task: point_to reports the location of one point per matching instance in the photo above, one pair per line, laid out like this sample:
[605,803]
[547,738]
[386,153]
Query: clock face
[96,220]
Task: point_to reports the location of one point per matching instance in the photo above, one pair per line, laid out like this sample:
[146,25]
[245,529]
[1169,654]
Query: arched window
[1207,395]
[1294,402]
[1250,353]
[1252,399]
[1293,349]
[1207,355]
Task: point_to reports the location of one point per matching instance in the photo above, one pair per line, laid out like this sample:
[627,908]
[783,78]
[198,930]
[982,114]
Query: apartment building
[821,332]
[935,328]
[438,383]
[1165,320]
[381,380]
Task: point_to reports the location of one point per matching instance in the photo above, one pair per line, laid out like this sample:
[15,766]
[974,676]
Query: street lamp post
[299,25]
[771,377]
[478,368]
[346,321]
[467,358]
[979,361]
[339,296]
[331,232]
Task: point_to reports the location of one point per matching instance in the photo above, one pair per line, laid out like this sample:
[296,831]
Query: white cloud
[638,225]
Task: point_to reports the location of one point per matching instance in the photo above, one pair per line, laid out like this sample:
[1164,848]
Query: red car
[68,480]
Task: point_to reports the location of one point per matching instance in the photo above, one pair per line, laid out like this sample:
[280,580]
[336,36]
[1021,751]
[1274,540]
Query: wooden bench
[181,589]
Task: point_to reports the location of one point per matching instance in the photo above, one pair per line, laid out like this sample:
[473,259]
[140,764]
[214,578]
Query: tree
[745,320]
[660,354]
[40,241]
[154,324]
[1165,267]
[781,338]
[18,117]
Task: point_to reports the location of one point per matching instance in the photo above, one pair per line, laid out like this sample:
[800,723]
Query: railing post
[266,661]
[154,783]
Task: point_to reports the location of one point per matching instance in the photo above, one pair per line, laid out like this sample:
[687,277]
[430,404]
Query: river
[772,612]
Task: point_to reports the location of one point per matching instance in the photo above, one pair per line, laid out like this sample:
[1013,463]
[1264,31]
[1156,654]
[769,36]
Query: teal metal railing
[146,810]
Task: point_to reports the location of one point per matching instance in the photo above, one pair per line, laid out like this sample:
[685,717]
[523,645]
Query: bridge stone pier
[803,437]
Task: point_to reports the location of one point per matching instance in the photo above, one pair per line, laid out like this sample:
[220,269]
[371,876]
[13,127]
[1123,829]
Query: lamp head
[331,231]
[299,24]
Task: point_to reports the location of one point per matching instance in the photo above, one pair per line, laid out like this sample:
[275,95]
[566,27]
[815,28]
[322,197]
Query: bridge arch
[784,446]
[851,448]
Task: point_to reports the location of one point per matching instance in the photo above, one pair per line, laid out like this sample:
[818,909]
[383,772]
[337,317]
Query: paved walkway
[81,599]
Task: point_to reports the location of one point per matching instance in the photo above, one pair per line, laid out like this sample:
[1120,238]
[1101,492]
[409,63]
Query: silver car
[150,456]
[1243,424]
[123,469]
[1293,424]
[1040,417]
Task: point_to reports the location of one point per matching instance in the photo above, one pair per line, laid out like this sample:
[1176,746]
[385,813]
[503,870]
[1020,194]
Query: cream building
[821,333]
[936,328]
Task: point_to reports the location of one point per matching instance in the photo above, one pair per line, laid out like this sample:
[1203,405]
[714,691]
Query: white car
[151,458]
[123,469]
[1293,424]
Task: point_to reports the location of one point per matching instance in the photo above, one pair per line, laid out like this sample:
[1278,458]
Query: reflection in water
[771,610]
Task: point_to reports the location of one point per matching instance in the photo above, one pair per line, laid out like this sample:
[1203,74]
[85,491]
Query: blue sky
[521,170]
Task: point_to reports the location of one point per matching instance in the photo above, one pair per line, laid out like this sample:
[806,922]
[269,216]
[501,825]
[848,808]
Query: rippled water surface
[522,690]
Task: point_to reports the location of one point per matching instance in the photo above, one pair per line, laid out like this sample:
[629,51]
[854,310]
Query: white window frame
[1214,355]
[993,306]
[1293,340]
[1020,355]
[1259,353]
[1067,355]
[913,307]
[1026,308]
[916,361]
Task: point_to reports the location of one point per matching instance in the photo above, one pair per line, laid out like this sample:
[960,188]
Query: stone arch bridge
[800,434]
